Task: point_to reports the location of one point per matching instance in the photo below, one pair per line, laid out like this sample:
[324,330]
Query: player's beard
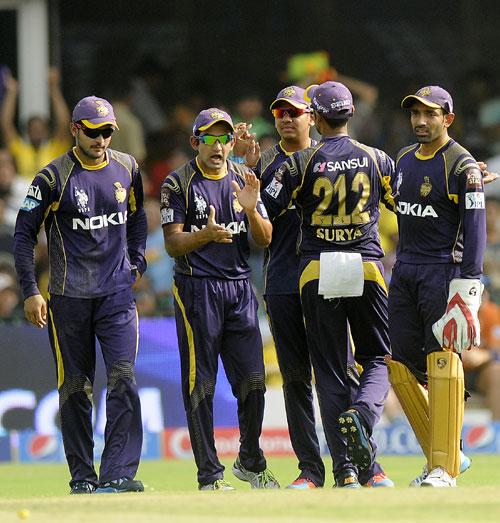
[92,153]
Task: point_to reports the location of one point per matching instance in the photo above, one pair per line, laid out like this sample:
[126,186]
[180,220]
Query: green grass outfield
[39,493]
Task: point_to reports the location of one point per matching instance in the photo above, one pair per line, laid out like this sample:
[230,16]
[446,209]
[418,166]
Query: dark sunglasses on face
[95,133]
[292,112]
[210,139]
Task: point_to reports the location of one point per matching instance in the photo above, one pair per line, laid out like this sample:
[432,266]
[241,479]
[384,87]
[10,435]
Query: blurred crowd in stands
[157,134]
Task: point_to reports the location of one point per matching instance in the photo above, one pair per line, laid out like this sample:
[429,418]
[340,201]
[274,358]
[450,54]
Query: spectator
[130,137]
[13,188]
[249,109]
[39,148]
[160,264]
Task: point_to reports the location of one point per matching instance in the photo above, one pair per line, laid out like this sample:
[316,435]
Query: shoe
[379,480]
[120,485]
[82,487]
[264,479]
[438,477]
[465,463]
[302,484]
[218,484]
[347,479]
[359,449]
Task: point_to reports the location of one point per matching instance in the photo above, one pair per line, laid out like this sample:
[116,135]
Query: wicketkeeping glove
[458,329]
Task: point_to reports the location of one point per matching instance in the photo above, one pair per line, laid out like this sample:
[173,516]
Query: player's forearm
[137,230]
[181,243]
[24,257]
[474,245]
[262,229]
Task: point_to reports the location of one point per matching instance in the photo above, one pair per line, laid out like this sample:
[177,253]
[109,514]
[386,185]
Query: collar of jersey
[280,144]
[92,167]
[430,156]
[211,176]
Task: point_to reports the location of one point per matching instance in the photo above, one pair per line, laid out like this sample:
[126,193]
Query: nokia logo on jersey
[343,165]
[416,209]
[232,227]
[99,222]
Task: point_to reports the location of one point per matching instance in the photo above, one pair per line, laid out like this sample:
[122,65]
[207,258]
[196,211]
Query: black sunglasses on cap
[105,132]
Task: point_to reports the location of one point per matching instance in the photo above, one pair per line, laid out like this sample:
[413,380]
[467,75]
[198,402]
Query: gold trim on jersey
[424,157]
[190,338]
[310,273]
[371,272]
[92,167]
[57,348]
[211,176]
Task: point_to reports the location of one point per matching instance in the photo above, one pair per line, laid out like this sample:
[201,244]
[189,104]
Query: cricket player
[90,201]
[435,289]
[337,186]
[293,121]
[208,208]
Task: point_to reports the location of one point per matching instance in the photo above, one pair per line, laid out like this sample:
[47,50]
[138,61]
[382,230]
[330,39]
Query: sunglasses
[95,133]
[292,112]
[210,139]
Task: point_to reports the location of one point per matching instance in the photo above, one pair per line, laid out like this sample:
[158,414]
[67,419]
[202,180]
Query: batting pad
[446,410]
[414,401]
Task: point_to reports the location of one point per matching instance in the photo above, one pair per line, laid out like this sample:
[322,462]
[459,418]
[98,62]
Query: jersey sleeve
[279,192]
[137,227]
[42,194]
[472,211]
[172,203]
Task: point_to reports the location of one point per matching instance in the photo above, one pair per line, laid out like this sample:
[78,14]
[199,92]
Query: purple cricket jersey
[186,196]
[440,208]
[95,225]
[337,187]
[281,263]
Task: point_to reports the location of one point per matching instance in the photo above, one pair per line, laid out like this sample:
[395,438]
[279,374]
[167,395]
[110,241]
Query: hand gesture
[252,156]
[243,139]
[35,310]
[249,195]
[488,177]
[216,233]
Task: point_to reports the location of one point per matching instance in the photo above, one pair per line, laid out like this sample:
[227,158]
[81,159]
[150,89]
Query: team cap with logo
[432,96]
[94,112]
[209,117]
[332,100]
[293,95]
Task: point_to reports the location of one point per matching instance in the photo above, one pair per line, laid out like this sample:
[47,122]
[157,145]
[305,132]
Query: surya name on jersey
[232,227]
[99,222]
[337,235]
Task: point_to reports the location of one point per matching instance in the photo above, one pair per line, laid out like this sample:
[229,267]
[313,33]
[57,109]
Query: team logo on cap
[120,192]
[425,91]
[102,110]
[289,91]
[236,204]
[426,187]
[216,115]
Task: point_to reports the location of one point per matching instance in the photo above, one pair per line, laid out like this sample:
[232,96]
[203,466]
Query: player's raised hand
[252,156]
[249,194]
[216,233]
[35,310]
[488,176]
[243,139]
